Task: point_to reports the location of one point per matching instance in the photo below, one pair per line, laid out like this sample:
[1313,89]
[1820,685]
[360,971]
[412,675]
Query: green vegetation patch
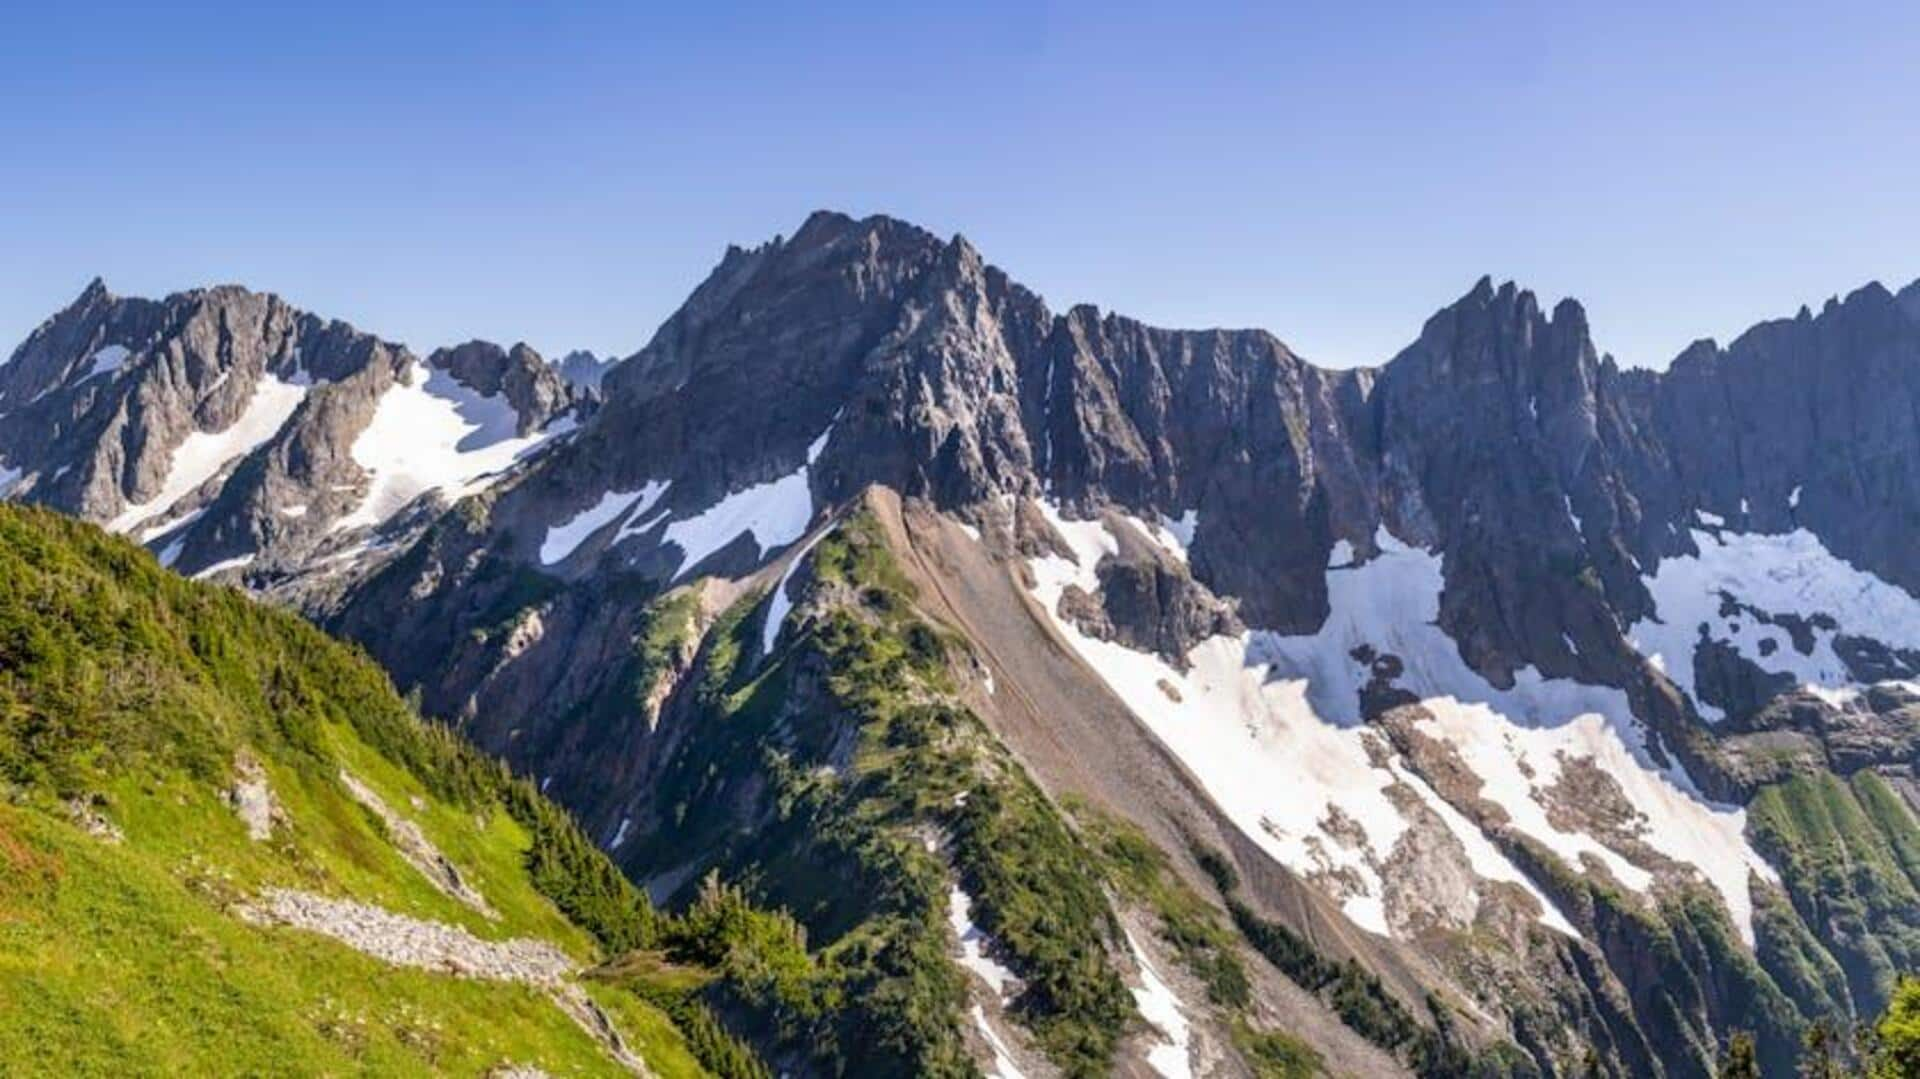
[131,692]
[1140,872]
[818,779]
[1848,852]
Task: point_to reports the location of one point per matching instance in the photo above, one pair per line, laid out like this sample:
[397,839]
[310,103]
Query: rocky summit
[1045,693]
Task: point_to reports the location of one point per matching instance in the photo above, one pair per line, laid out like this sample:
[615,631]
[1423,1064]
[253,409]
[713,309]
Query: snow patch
[1341,556]
[620,836]
[1789,573]
[567,536]
[778,604]
[171,552]
[1172,1058]
[1793,498]
[107,360]
[1003,1064]
[774,513]
[1183,528]
[435,434]
[1274,768]
[1713,519]
[1271,726]
[221,566]
[973,946]
[1392,605]
[1485,858]
[1159,534]
[1673,818]
[1836,698]
[203,454]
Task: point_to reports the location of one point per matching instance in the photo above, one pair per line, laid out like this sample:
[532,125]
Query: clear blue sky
[563,174]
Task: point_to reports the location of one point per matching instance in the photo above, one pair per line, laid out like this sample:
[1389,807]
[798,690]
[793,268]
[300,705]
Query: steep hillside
[227,848]
[823,744]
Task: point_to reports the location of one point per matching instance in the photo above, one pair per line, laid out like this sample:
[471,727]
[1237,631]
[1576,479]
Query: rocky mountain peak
[532,386]
[94,293]
[1909,301]
[583,369]
[228,429]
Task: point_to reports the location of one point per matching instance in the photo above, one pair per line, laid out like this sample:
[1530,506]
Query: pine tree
[1820,1051]
[1896,1041]
[1739,1061]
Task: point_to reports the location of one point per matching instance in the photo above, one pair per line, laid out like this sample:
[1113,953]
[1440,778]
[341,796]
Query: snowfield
[434,434]
[1791,573]
[107,360]
[1271,726]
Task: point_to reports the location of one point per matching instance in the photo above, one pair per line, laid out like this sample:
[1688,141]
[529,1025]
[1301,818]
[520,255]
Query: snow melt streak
[1172,1058]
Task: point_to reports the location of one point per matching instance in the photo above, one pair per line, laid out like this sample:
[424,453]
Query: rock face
[251,797]
[537,392]
[223,426]
[413,845]
[583,370]
[1596,535]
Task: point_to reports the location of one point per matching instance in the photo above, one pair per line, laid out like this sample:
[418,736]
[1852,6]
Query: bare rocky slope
[1504,708]
[232,432]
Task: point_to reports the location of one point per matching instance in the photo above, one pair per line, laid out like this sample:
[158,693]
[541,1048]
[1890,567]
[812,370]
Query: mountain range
[1097,698]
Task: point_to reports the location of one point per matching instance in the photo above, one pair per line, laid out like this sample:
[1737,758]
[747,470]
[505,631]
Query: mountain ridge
[1572,647]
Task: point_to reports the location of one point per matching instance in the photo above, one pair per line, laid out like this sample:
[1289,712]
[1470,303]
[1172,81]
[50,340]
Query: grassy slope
[1848,851]
[131,689]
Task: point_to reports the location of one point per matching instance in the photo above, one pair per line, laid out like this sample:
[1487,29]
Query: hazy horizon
[566,177]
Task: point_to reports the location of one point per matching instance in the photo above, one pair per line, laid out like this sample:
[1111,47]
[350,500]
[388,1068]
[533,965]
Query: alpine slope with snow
[226,429]
[1271,725]
[1782,603]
